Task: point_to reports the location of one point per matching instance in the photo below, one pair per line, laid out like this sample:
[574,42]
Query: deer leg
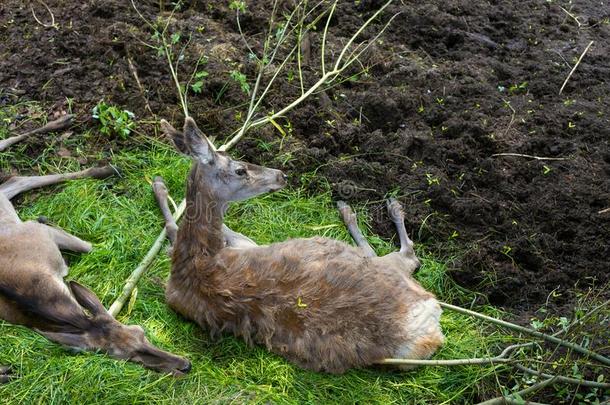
[235,239]
[5,374]
[398,217]
[349,218]
[66,241]
[18,184]
[58,124]
[7,211]
[161,195]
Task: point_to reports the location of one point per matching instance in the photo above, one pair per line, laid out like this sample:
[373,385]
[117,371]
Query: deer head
[100,331]
[227,179]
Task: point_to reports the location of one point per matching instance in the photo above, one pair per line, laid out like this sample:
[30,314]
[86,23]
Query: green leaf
[197,86]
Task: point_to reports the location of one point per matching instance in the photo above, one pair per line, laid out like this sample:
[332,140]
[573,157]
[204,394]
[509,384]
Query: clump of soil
[457,113]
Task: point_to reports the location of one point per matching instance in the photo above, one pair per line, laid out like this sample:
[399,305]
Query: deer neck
[201,230]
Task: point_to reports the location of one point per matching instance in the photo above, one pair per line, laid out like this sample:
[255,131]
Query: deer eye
[240,172]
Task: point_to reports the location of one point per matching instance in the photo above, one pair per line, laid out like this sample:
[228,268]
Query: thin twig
[52,25]
[324,33]
[515,397]
[527,156]
[518,328]
[604,210]
[134,72]
[135,276]
[571,15]
[339,67]
[567,380]
[501,358]
[512,117]
[575,66]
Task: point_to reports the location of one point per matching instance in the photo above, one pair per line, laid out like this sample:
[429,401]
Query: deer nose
[186,368]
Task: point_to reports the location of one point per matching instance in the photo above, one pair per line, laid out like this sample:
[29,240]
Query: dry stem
[518,328]
[575,66]
[135,276]
[52,25]
[527,156]
[501,358]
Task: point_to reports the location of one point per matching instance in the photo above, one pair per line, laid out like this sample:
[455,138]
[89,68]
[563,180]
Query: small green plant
[237,5]
[432,179]
[198,85]
[241,79]
[518,88]
[113,120]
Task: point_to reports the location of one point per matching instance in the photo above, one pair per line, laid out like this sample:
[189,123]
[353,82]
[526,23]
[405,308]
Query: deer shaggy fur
[320,303]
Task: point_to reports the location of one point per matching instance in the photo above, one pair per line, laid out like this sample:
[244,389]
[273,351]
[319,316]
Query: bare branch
[501,358]
[527,156]
[574,68]
[518,328]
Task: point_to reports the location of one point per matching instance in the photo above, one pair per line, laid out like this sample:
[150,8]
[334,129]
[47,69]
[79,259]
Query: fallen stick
[527,156]
[518,328]
[567,380]
[135,276]
[575,66]
[52,25]
[57,125]
[516,397]
[501,358]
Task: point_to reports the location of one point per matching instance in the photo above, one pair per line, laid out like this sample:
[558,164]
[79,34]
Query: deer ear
[177,137]
[73,340]
[87,299]
[197,142]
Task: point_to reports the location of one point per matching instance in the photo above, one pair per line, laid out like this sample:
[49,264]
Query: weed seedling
[240,78]
[113,120]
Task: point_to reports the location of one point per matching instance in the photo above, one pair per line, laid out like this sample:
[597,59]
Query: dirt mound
[449,92]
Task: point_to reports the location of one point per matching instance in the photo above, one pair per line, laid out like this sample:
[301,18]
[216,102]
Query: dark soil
[451,86]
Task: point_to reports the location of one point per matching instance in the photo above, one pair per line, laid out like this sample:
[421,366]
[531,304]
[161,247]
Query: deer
[33,292]
[322,304]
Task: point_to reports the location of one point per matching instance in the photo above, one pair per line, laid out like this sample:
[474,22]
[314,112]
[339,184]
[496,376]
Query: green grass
[119,216]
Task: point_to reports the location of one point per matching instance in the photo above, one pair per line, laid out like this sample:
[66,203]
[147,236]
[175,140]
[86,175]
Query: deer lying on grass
[318,302]
[33,292]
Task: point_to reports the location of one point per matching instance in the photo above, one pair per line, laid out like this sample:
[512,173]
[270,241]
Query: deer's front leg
[235,239]
[349,218]
[66,241]
[19,184]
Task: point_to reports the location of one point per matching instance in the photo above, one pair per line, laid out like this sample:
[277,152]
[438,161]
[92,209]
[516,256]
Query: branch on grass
[501,358]
[517,397]
[518,328]
[57,125]
[135,276]
[567,380]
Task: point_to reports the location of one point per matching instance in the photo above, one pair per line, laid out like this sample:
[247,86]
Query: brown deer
[33,292]
[318,302]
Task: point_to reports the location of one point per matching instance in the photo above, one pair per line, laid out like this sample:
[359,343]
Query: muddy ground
[448,89]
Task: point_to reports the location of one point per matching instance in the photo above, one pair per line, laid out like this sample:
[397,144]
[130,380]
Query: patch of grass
[120,217]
